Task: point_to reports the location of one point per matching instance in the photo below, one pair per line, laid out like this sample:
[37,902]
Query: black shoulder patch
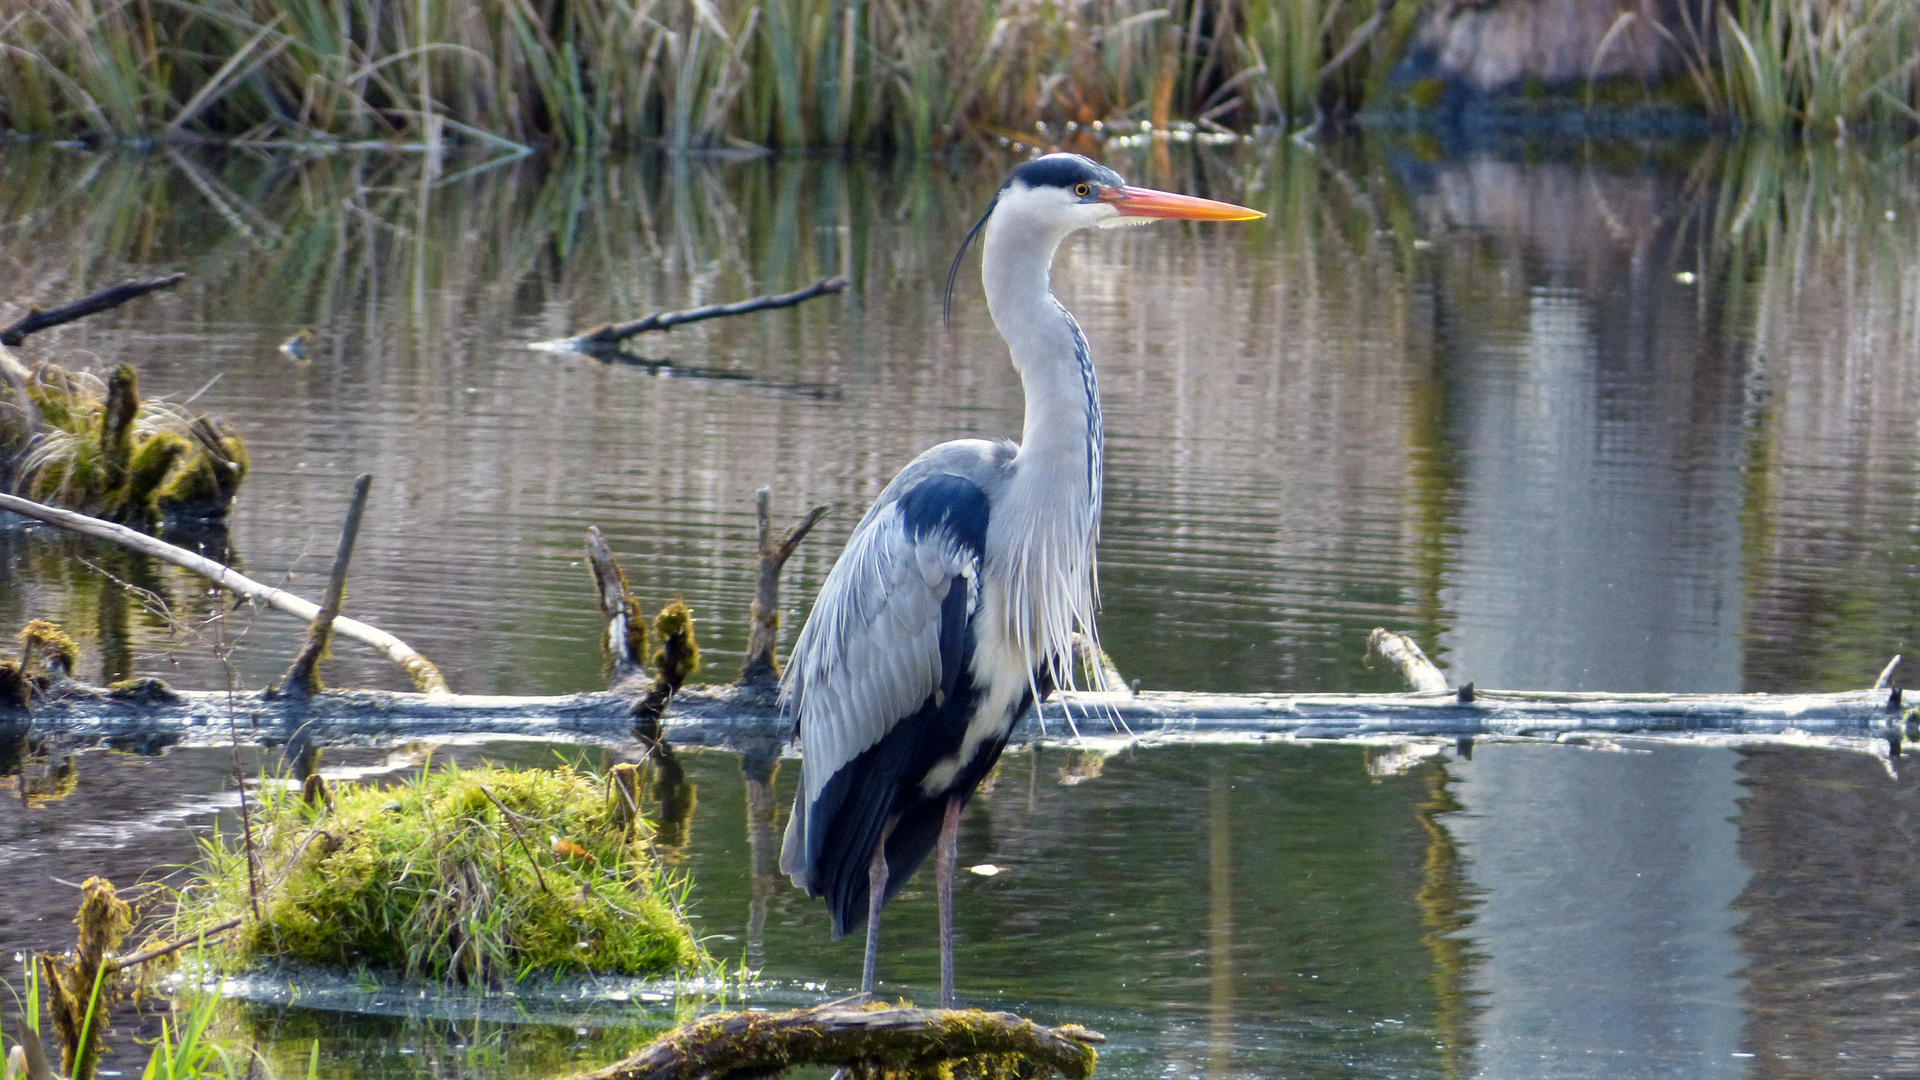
[947,501]
[1064,171]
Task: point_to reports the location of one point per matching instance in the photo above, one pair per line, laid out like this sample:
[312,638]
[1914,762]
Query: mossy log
[902,1042]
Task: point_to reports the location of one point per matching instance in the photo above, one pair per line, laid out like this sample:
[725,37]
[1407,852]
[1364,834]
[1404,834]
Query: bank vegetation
[905,74]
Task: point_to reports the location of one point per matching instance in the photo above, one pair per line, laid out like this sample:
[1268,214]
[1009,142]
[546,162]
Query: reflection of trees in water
[1830,938]
[1819,249]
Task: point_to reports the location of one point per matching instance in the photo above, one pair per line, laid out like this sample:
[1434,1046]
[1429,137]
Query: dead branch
[765,1044]
[626,633]
[424,674]
[1406,657]
[37,319]
[761,670]
[612,334]
[302,680]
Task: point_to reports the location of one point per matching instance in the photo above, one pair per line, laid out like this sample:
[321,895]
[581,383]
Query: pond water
[1621,417]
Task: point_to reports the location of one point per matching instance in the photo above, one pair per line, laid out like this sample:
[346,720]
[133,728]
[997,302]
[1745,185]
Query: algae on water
[479,876]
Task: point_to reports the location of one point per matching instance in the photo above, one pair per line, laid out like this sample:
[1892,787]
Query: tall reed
[690,73]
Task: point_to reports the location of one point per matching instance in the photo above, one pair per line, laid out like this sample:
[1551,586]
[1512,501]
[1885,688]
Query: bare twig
[761,668]
[424,674]
[158,951]
[302,680]
[37,319]
[615,333]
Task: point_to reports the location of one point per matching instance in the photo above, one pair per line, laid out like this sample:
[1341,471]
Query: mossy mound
[480,876]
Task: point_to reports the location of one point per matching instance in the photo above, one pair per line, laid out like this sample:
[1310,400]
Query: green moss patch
[480,876]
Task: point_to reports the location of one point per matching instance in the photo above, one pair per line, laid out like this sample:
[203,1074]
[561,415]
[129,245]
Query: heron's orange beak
[1148,203]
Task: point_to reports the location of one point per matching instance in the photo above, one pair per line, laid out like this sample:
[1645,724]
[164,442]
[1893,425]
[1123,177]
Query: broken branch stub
[1406,658]
[867,1040]
[425,676]
[303,679]
[761,668]
[626,633]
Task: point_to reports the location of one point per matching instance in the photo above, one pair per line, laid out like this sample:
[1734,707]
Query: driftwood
[868,1042]
[608,337]
[424,674]
[36,319]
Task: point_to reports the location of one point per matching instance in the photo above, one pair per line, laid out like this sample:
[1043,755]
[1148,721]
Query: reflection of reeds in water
[1815,249]
[1446,910]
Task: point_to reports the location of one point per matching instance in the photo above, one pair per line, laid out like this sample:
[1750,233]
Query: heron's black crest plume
[1052,170]
[953,272]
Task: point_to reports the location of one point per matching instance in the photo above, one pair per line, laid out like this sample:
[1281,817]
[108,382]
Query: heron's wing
[885,635]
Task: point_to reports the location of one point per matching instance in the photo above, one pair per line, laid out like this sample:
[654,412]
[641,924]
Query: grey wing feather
[870,652]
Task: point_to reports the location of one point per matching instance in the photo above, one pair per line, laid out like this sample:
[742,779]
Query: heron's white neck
[1054,492]
[1048,350]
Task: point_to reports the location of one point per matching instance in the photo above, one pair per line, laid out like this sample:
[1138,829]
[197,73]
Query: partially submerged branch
[906,1040]
[37,319]
[608,337]
[424,674]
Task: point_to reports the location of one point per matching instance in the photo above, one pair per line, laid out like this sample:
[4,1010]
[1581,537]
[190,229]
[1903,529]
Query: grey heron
[952,608]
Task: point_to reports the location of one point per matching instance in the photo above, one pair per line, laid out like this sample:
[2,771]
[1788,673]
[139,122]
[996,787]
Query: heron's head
[1051,196]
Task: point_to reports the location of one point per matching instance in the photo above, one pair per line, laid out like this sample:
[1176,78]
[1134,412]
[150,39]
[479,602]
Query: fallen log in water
[745,715]
[735,717]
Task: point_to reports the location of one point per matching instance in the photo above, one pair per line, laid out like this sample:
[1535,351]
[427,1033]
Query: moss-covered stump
[95,446]
[871,1042]
[477,876]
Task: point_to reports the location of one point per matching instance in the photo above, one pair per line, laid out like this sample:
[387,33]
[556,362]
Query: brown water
[1584,417]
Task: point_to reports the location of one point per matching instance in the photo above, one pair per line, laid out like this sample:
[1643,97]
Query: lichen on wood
[871,1041]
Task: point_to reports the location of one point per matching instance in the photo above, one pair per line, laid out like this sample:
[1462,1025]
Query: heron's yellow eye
[1083,190]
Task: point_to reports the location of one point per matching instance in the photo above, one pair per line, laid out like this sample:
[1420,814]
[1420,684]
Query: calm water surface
[1595,417]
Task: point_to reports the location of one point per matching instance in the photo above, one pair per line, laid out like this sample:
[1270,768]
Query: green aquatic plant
[480,876]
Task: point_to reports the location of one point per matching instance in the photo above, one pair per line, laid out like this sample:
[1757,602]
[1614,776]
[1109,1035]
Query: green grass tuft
[477,876]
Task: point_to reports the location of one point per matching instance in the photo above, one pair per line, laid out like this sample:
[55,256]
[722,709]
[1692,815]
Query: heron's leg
[876,894]
[945,856]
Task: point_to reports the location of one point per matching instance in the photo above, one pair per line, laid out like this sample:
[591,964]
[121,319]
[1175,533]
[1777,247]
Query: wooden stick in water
[302,679]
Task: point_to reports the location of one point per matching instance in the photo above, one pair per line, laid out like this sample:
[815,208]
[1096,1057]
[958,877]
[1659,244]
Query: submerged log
[869,1042]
